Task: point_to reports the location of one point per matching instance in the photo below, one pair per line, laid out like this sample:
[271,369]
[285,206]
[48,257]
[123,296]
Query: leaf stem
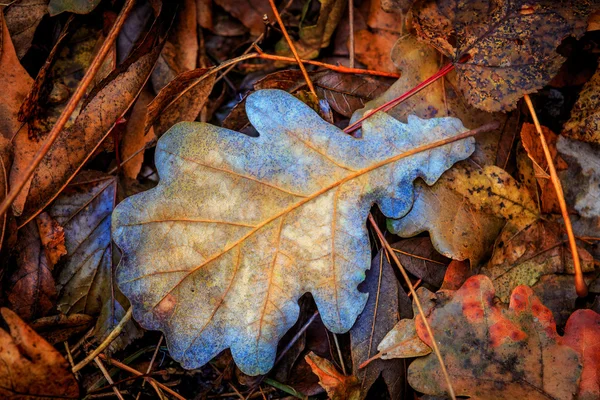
[418,303]
[580,286]
[292,48]
[70,107]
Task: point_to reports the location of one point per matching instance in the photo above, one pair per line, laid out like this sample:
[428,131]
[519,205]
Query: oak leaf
[31,368]
[584,123]
[495,353]
[501,49]
[337,386]
[22,19]
[240,227]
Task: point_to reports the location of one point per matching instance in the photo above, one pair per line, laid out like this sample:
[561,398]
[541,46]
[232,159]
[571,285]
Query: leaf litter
[243,235]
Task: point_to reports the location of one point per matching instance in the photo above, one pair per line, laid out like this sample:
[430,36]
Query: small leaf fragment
[337,386]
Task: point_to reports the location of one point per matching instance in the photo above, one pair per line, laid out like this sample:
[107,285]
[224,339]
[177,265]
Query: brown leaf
[419,257]
[403,342]
[532,144]
[136,137]
[584,123]
[31,368]
[337,386]
[32,291]
[389,20]
[373,49]
[503,49]
[52,237]
[380,315]
[557,292]
[181,100]
[180,52]
[493,353]
[59,328]
[106,105]
[249,12]
[521,257]
[16,83]
[347,93]
[581,334]
[6,156]
[456,274]
[22,19]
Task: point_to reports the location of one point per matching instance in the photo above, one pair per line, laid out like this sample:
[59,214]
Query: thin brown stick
[109,339]
[108,378]
[417,303]
[580,286]
[152,381]
[292,48]
[70,107]
[149,369]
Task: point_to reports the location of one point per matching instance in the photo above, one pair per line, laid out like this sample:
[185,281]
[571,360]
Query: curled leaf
[240,227]
[337,386]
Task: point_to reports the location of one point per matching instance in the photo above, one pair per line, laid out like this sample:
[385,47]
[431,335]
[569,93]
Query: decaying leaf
[248,12]
[480,199]
[31,368]
[61,327]
[32,291]
[374,48]
[581,334]
[532,144]
[337,386]
[402,342]
[380,314]
[584,123]
[494,353]
[280,215]
[418,256]
[52,237]
[105,105]
[16,83]
[587,187]
[22,19]
[86,279]
[502,49]
[522,257]
[136,137]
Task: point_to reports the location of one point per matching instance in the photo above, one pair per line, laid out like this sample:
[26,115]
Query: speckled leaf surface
[240,227]
[502,49]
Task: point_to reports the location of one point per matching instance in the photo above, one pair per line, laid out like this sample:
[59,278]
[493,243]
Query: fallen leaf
[557,293]
[584,123]
[32,290]
[337,386]
[493,353]
[480,199]
[265,231]
[456,274]
[181,100]
[581,334]
[521,257]
[532,144]
[180,52]
[249,12]
[347,93]
[52,237]
[59,328]
[31,368]
[402,342]
[85,281]
[16,83]
[22,19]
[501,50]
[389,20]
[56,7]
[136,137]
[380,315]
[373,49]
[586,186]
[102,109]
[6,156]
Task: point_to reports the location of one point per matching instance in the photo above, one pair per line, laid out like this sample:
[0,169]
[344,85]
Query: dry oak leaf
[582,333]
[337,385]
[495,353]
[240,227]
[30,367]
[584,123]
[22,19]
[502,49]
